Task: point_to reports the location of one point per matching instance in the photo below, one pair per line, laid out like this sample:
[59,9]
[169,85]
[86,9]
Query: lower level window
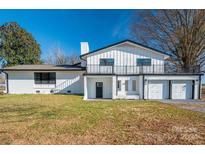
[133,85]
[126,85]
[45,78]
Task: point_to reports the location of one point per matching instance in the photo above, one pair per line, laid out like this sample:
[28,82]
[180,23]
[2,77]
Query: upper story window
[45,78]
[106,62]
[143,62]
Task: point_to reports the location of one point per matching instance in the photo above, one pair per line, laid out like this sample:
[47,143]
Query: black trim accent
[193,87]
[111,74]
[127,40]
[7,82]
[199,88]
[82,69]
[99,90]
[143,86]
[170,89]
[85,74]
[169,74]
[116,84]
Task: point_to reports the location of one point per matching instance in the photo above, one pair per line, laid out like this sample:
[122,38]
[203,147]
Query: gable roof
[43,67]
[124,41]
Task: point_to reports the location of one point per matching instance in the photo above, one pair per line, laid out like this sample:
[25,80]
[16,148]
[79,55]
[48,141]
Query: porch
[112,87]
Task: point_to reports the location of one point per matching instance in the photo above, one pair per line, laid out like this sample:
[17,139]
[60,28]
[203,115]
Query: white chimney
[84,47]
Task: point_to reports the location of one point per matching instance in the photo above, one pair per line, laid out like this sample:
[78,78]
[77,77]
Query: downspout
[170,89]
[199,87]
[7,82]
[142,86]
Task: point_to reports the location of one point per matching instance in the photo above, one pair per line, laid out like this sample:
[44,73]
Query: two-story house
[124,70]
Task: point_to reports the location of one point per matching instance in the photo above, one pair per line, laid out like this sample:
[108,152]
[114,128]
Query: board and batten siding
[125,55]
[22,82]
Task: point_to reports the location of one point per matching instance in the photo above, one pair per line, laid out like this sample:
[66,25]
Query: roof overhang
[128,42]
[41,70]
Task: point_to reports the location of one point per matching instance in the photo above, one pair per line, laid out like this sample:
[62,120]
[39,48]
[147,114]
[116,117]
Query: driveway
[194,105]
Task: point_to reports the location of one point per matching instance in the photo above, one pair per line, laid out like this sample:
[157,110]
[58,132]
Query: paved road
[194,105]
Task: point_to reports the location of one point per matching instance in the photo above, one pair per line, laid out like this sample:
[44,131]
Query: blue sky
[67,28]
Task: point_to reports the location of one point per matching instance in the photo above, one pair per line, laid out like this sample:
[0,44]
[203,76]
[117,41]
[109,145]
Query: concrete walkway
[194,105]
[182,101]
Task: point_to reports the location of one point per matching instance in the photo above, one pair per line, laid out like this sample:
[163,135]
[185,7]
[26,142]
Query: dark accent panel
[170,89]
[116,84]
[81,69]
[7,83]
[199,87]
[193,85]
[143,87]
[170,74]
[99,89]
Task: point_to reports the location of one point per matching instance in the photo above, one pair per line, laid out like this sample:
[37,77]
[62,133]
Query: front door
[99,89]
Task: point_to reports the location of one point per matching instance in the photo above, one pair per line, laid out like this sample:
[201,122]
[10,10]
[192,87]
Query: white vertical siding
[127,56]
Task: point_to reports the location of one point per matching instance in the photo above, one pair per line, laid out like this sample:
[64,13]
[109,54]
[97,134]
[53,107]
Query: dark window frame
[144,61]
[45,77]
[104,63]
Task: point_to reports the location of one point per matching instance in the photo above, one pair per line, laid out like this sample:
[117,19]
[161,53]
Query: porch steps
[61,88]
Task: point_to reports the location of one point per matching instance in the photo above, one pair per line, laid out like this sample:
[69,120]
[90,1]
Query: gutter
[143,87]
[82,69]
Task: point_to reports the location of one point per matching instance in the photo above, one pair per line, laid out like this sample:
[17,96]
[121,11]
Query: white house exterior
[125,70]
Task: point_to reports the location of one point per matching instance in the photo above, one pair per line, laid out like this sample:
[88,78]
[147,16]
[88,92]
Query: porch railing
[124,70]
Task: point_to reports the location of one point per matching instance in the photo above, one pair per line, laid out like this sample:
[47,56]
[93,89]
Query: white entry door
[158,89]
[181,90]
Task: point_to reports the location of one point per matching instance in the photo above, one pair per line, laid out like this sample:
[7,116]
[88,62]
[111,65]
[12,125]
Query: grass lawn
[67,119]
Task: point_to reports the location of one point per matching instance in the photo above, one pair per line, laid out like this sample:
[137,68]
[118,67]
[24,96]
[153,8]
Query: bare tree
[58,57]
[178,32]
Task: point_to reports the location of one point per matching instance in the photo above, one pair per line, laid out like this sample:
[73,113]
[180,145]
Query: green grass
[67,119]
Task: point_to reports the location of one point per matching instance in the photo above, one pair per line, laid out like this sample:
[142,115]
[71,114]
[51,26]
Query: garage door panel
[158,89]
[181,89]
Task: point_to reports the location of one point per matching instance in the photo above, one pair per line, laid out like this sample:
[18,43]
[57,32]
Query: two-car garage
[169,88]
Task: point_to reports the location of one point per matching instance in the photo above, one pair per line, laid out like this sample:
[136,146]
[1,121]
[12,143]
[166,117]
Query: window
[126,85]
[133,85]
[45,78]
[143,62]
[119,85]
[106,62]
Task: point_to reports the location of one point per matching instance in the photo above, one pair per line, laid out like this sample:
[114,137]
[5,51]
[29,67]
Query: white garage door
[158,90]
[181,89]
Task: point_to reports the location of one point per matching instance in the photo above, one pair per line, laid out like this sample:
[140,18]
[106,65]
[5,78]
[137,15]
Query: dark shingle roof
[44,67]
